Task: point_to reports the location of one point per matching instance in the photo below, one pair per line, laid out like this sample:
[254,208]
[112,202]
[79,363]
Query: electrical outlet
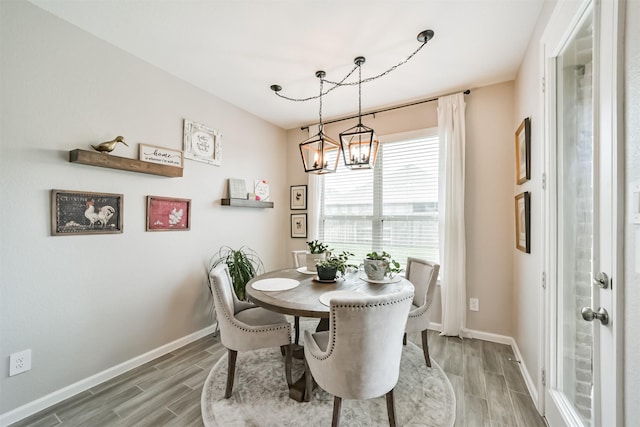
[474,304]
[19,362]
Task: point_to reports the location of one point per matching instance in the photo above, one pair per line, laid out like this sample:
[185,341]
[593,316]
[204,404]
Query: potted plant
[317,252]
[378,265]
[329,267]
[243,263]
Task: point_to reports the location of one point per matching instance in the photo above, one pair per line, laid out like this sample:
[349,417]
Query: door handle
[588,314]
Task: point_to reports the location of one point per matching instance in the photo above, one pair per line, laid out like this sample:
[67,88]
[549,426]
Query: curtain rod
[466,92]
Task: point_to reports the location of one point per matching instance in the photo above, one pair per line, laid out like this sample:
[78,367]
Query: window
[393,207]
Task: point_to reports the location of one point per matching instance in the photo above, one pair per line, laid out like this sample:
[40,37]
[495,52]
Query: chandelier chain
[343,83]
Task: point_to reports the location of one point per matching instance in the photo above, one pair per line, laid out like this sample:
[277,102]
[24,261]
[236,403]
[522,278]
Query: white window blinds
[393,207]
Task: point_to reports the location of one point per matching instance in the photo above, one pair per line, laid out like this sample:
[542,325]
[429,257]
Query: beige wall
[489,202]
[632,231]
[84,304]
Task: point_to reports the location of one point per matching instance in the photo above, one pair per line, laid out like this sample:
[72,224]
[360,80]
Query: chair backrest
[299,258]
[423,275]
[224,298]
[365,341]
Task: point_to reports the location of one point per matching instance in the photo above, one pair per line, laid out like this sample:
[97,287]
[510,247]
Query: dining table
[299,293]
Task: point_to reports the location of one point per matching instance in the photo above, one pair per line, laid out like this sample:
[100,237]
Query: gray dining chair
[423,275]
[244,326]
[359,356]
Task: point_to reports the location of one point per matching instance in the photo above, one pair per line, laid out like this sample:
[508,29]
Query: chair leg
[308,382]
[337,405]
[391,410]
[296,326]
[230,372]
[404,339]
[287,362]
[425,348]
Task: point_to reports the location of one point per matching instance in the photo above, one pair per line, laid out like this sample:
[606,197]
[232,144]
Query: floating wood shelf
[114,162]
[246,203]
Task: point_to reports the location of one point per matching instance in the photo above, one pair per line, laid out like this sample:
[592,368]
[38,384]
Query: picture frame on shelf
[86,212]
[202,143]
[523,151]
[261,190]
[160,155]
[299,226]
[523,222]
[168,214]
[237,188]
[298,197]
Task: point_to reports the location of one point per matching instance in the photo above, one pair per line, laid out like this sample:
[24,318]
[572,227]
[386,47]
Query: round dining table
[299,293]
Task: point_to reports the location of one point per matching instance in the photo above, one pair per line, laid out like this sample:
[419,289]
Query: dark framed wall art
[523,151]
[523,221]
[85,212]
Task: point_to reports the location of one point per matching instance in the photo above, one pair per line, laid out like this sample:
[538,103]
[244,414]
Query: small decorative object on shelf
[379,265]
[109,146]
[237,188]
[160,155]
[262,190]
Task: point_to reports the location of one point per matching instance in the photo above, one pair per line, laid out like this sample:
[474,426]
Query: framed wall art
[523,222]
[202,143]
[168,214]
[299,225]
[160,155]
[298,198]
[523,151]
[84,212]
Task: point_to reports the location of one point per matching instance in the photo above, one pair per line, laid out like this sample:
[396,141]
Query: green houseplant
[332,264]
[317,252]
[243,263]
[378,265]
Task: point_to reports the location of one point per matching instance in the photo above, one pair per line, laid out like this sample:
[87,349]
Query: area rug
[423,396]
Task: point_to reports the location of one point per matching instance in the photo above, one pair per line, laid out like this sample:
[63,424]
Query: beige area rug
[423,396]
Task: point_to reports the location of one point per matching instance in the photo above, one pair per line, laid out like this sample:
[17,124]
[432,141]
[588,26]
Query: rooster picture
[102,217]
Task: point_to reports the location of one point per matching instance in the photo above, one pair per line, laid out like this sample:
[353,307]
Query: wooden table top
[303,300]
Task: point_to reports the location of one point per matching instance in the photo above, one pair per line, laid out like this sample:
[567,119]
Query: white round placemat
[304,270]
[326,297]
[395,279]
[275,284]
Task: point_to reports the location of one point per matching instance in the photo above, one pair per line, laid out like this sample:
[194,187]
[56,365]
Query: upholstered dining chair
[423,275]
[244,326]
[359,356]
[299,258]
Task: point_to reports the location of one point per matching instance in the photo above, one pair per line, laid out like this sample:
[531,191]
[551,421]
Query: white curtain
[451,130]
[313,199]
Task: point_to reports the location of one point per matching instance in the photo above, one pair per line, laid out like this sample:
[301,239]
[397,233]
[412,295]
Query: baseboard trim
[57,396]
[502,339]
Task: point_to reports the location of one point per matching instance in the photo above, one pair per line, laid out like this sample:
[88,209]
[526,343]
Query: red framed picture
[168,214]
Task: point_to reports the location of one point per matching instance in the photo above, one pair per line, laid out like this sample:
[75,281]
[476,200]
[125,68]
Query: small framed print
[299,225]
[84,212]
[523,222]
[201,143]
[168,214]
[261,190]
[298,199]
[160,155]
[523,151]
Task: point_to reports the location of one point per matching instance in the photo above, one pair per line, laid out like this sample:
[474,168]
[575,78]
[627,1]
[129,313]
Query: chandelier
[359,144]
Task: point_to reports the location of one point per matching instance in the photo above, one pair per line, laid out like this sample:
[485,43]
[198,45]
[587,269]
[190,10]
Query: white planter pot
[312,259]
[375,269]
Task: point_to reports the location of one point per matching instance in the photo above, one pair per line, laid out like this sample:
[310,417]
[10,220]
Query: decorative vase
[327,273]
[312,259]
[375,269]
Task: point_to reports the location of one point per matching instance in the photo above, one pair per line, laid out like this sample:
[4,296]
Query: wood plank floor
[489,389]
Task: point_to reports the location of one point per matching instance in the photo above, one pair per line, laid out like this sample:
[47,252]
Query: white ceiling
[236,49]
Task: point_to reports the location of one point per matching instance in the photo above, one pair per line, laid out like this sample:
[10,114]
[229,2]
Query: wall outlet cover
[19,362]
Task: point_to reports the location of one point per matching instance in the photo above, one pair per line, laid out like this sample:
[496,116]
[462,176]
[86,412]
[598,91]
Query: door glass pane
[575,218]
